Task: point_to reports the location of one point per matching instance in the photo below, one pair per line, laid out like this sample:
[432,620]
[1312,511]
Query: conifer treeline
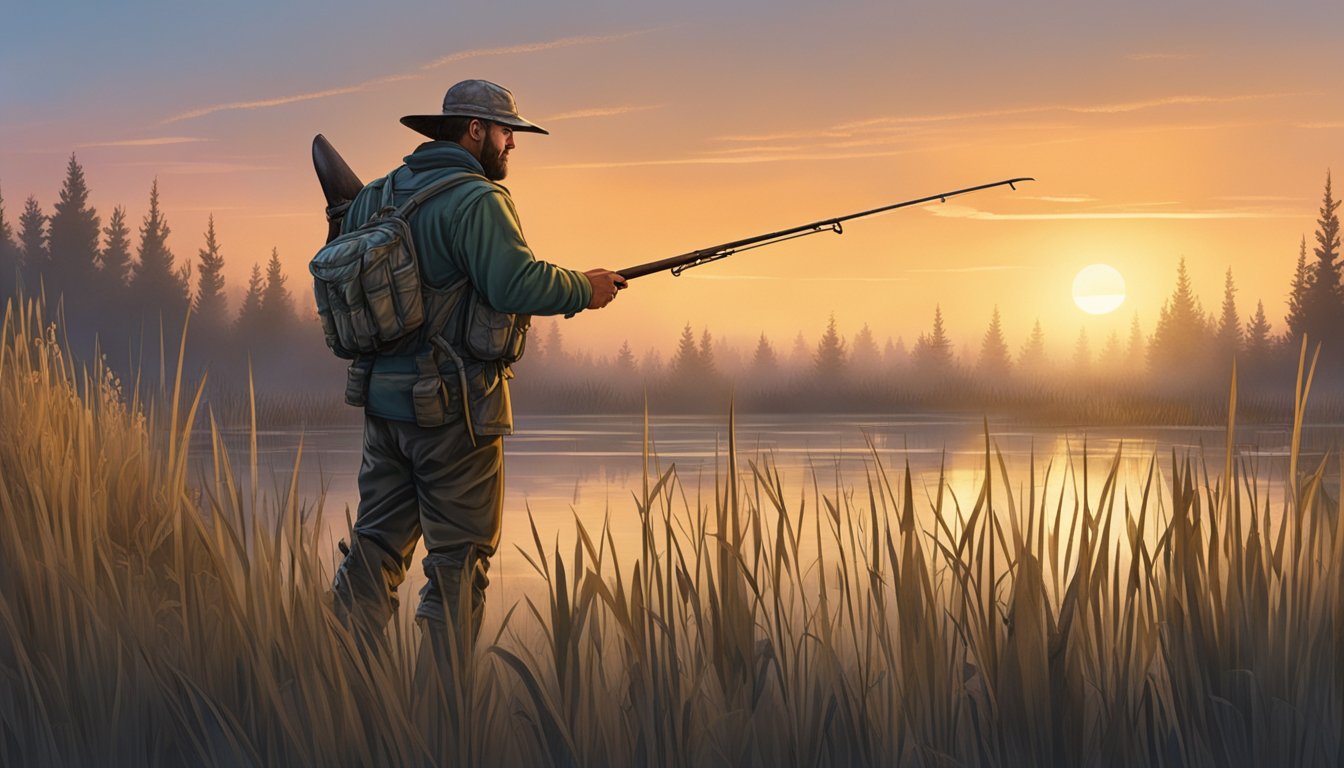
[125,288]
[1187,345]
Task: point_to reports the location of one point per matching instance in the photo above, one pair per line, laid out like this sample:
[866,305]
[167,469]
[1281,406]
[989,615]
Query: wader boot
[451,606]
[364,592]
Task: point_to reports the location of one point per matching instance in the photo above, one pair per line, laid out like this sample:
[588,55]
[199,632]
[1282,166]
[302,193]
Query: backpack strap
[389,190]
[438,187]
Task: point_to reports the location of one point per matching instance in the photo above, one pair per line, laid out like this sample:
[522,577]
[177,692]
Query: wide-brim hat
[481,99]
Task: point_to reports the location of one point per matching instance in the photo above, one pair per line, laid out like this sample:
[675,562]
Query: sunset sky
[1155,132]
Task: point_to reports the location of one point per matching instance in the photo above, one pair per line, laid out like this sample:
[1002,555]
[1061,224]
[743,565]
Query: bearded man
[446,482]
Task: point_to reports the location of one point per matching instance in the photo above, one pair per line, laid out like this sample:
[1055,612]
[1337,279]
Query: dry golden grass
[147,619]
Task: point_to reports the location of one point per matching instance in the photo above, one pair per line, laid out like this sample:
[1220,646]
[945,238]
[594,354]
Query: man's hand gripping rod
[679,264]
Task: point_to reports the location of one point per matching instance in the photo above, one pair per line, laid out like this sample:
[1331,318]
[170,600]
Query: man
[446,482]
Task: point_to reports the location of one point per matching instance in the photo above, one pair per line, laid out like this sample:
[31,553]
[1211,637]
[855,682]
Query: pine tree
[1111,359]
[72,241]
[625,359]
[863,354]
[1297,296]
[933,351]
[1033,358]
[1134,351]
[115,259]
[1227,338]
[830,356]
[994,360]
[211,305]
[33,243]
[536,343]
[113,298]
[895,355]
[1179,342]
[9,257]
[653,363]
[686,362]
[276,304]
[555,346]
[707,365]
[1082,354]
[1258,336]
[764,358]
[249,314]
[1324,305]
[800,357]
[155,285]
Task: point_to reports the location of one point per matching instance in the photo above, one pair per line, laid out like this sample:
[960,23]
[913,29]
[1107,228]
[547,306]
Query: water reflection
[560,468]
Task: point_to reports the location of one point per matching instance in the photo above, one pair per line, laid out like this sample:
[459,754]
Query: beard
[494,160]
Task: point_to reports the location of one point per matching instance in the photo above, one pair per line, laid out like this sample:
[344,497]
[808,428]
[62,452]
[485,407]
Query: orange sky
[1203,132]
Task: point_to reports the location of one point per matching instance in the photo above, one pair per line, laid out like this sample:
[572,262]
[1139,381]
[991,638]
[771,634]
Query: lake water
[589,467]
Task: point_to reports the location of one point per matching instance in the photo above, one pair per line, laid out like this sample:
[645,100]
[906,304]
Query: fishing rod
[340,185]
[678,264]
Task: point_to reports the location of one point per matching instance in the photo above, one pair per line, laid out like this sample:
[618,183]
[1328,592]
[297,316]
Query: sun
[1098,289]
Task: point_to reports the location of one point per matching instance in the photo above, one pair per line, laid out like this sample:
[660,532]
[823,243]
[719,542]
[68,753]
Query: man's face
[495,151]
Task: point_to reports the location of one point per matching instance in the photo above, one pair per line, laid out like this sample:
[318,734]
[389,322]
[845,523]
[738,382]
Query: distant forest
[125,295]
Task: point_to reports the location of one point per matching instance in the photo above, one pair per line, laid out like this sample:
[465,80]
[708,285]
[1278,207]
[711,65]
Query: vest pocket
[430,394]
[488,398]
[357,383]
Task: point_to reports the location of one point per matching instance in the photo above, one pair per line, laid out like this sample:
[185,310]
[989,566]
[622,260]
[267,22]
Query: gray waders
[441,483]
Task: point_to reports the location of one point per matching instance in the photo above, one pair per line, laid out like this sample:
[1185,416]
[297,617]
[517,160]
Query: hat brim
[428,125]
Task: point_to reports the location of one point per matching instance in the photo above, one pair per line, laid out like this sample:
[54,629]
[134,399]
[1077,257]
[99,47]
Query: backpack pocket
[367,285]
[492,335]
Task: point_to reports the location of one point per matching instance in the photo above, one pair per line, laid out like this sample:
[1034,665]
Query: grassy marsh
[148,619]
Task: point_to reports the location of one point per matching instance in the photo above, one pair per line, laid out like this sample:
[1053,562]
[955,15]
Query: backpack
[367,281]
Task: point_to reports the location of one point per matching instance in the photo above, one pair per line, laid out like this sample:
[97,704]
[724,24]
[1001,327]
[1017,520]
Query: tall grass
[151,618]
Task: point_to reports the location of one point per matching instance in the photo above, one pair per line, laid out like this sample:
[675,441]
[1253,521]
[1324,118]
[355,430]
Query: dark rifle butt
[339,183]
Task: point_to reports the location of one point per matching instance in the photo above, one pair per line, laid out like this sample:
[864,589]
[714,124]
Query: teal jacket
[472,231]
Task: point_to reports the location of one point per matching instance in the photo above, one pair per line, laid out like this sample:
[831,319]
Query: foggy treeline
[1177,365]
[119,290]
[124,293]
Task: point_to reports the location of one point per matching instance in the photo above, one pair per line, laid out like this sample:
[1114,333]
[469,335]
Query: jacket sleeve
[501,265]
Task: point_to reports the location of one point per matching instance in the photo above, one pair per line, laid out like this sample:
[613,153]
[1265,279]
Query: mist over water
[590,467]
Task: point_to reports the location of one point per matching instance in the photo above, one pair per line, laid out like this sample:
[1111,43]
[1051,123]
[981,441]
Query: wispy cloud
[283,100]
[1060,199]
[851,144]
[966,212]
[565,42]
[764,138]
[959,270]
[1173,101]
[1262,198]
[1163,56]
[939,117]
[599,112]
[816,147]
[749,150]
[548,45]
[1324,124]
[1141,204]
[204,167]
[773,156]
[1086,109]
[151,142]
